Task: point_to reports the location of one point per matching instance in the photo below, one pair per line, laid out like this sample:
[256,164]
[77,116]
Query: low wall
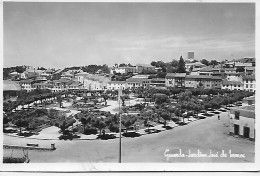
[27,147]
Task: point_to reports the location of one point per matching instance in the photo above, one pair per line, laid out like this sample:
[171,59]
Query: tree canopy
[181,66]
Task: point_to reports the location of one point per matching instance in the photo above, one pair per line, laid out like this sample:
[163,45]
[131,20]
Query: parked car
[210,113]
[223,109]
[203,111]
[201,116]
[216,112]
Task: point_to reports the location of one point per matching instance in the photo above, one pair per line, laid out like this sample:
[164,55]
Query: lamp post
[120,146]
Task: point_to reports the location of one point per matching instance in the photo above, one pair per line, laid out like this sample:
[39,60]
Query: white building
[115,85]
[232,85]
[249,83]
[133,83]
[242,121]
[235,77]
[26,85]
[175,80]
[92,82]
[123,70]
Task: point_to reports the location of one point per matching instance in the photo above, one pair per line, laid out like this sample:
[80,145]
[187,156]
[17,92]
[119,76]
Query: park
[86,124]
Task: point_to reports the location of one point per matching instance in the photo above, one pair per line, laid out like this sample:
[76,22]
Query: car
[223,109]
[207,114]
[238,104]
[216,112]
[203,111]
[201,116]
[210,113]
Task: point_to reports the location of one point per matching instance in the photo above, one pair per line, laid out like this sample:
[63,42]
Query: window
[237,113]
[246,80]
[246,86]
[251,86]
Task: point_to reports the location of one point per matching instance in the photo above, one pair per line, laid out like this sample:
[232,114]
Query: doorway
[246,132]
[236,129]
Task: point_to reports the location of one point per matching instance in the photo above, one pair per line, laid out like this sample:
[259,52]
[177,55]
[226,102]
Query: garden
[160,107]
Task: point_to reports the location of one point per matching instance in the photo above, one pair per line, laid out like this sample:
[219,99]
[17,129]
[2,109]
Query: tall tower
[191,55]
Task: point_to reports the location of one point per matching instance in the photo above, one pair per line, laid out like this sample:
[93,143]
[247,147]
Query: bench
[33,145]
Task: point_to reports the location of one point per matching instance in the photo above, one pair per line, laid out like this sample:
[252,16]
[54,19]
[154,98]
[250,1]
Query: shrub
[14,160]
[131,134]
[106,136]
[90,130]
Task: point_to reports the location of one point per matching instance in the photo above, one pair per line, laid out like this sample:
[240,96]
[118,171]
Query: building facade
[249,83]
[145,68]
[242,121]
[232,85]
[175,79]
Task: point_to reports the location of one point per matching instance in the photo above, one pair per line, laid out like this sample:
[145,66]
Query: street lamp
[120,128]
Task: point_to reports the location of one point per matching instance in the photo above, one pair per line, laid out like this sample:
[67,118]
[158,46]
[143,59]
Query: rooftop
[202,77]
[117,82]
[249,98]
[226,82]
[244,111]
[207,69]
[249,108]
[26,81]
[175,75]
[144,65]
[11,86]
[136,79]
[249,77]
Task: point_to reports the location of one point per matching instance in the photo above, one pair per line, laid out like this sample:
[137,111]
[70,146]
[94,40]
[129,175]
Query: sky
[63,34]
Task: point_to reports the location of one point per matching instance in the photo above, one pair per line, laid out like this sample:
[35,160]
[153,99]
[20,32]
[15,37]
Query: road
[203,135]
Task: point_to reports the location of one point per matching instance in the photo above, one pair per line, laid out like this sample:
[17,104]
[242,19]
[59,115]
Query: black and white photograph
[129,83]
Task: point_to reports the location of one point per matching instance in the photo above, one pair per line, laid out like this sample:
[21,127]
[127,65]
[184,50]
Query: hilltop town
[229,75]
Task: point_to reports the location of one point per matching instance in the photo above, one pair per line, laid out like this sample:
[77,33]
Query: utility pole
[120,148]
[120,128]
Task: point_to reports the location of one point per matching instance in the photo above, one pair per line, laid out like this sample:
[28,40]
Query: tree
[123,100]
[21,123]
[181,66]
[148,114]
[213,62]
[205,62]
[63,127]
[122,65]
[5,120]
[177,113]
[41,68]
[85,121]
[197,109]
[153,63]
[191,69]
[240,69]
[160,98]
[99,124]
[165,117]
[59,100]
[128,121]
[174,63]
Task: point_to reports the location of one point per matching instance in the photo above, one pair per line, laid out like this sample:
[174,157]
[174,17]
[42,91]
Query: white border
[97,167]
